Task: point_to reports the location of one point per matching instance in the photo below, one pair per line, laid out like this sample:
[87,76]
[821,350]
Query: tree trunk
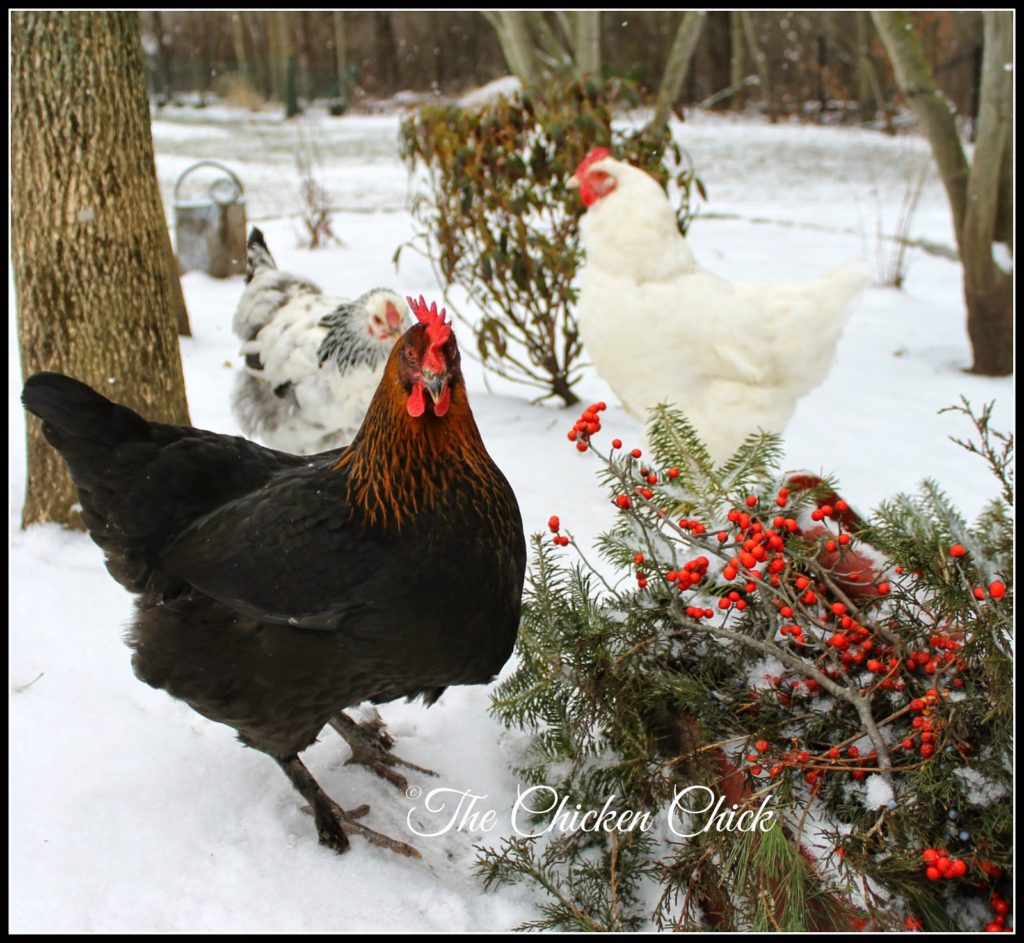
[163,60]
[516,45]
[89,237]
[341,53]
[200,30]
[974,193]
[933,109]
[261,38]
[736,44]
[305,55]
[869,95]
[385,51]
[761,64]
[988,290]
[683,46]
[238,31]
[588,42]
[554,45]
[286,69]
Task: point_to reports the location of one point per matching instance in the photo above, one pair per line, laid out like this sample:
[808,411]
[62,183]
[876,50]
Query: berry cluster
[555,525]
[1001,909]
[587,425]
[937,864]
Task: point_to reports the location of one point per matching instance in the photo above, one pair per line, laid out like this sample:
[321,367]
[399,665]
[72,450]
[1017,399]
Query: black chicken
[276,590]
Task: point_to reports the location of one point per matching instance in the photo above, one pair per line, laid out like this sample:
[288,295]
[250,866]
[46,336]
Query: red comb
[598,153]
[438,332]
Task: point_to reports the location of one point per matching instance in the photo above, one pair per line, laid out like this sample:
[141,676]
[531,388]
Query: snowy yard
[130,812]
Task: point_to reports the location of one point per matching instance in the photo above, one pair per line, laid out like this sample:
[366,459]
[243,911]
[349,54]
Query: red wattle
[416,403]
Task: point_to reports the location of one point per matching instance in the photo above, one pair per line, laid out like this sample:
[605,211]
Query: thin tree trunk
[868,92]
[199,28]
[238,31]
[286,71]
[691,24]
[163,59]
[262,43]
[588,42]
[990,317]
[973,192]
[933,109]
[736,45]
[89,237]
[516,45]
[305,54]
[761,64]
[341,53]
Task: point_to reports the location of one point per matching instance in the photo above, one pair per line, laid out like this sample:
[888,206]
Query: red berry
[623,501]
[762,746]
[616,443]
[957,550]
[673,473]
[554,524]
[636,453]
[996,589]
[929,856]
[883,589]
[979,593]
[932,874]
[751,501]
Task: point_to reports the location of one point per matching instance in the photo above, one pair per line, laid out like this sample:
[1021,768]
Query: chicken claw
[371,747]
[332,820]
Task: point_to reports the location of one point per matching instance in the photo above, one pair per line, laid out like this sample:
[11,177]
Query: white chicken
[733,356]
[312,362]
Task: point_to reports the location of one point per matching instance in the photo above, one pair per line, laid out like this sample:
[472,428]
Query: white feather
[283,395]
[735,357]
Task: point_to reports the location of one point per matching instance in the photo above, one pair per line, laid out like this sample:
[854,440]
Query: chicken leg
[331,819]
[371,747]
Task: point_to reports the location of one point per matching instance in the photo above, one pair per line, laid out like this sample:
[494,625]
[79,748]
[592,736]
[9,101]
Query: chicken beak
[435,385]
[573,182]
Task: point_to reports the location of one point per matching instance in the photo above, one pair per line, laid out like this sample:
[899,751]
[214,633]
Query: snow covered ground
[131,813]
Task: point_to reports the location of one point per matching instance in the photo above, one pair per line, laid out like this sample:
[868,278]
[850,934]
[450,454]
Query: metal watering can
[210,233]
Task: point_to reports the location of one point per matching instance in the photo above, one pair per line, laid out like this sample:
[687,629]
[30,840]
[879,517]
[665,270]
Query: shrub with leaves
[749,633]
[499,221]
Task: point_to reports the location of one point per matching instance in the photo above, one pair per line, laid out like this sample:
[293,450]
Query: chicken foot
[331,819]
[371,747]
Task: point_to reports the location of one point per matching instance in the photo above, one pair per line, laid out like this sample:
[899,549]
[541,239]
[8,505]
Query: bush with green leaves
[498,221]
[751,634]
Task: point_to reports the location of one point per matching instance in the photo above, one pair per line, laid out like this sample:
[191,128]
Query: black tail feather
[80,423]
